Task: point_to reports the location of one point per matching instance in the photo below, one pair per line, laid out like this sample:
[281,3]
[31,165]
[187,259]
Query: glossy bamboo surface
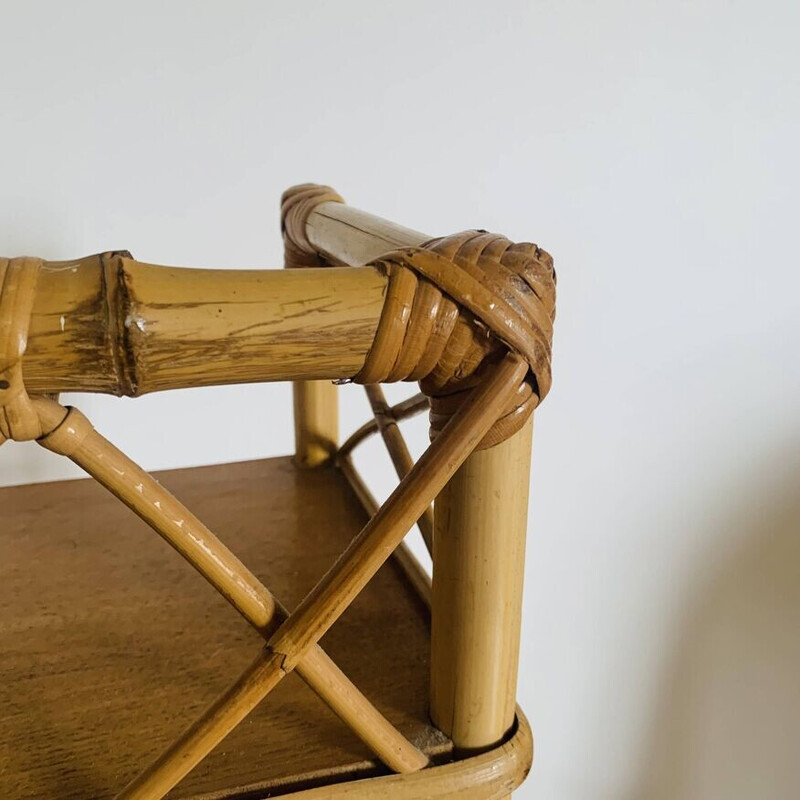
[111,324]
[491,775]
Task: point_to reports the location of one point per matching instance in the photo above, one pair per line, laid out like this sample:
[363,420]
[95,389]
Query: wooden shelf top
[110,644]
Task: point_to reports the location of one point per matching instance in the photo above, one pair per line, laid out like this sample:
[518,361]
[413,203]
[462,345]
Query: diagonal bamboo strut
[398,451]
[405,558]
[220,567]
[332,595]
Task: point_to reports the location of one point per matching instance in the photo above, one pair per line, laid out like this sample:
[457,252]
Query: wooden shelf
[110,644]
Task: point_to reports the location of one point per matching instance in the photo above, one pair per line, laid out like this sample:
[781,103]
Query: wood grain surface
[110,645]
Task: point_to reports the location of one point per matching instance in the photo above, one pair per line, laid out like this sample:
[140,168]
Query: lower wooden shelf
[110,644]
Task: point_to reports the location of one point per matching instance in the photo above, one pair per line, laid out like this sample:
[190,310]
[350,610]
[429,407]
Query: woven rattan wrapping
[454,307]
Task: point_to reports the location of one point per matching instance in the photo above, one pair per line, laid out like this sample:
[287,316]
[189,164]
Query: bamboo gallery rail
[468,316]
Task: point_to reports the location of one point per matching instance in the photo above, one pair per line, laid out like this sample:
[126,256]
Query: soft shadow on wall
[727,723]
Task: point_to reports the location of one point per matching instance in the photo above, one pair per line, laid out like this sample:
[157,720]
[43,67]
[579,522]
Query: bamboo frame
[144,328]
[316,422]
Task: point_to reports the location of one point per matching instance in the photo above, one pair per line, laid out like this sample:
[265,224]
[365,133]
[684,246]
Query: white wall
[652,148]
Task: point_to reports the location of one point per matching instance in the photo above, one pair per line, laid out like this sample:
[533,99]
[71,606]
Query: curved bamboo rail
[492,775]
[326,602]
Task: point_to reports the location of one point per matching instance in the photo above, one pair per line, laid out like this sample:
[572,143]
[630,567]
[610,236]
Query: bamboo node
[67,438]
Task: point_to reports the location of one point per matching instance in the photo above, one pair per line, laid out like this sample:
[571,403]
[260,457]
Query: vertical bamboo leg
[478,561]
[316,422]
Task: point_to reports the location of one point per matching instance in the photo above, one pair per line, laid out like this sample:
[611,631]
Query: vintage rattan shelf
[346,673]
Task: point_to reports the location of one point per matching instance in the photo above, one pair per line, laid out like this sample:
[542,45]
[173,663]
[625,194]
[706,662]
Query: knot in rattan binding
[296,205]
[18,417]
[454,306]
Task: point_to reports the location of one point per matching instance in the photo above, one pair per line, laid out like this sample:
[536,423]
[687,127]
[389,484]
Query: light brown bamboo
[77,439]
[488,776]
[398,452]
[351,236]
[351,572]
[111,324]
[316,422]
[148,315]
[478,564]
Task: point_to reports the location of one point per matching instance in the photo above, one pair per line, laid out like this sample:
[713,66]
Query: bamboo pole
[75,437]
[111,324]
[351,236]
[337,589]
[478,564]
[316,422]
